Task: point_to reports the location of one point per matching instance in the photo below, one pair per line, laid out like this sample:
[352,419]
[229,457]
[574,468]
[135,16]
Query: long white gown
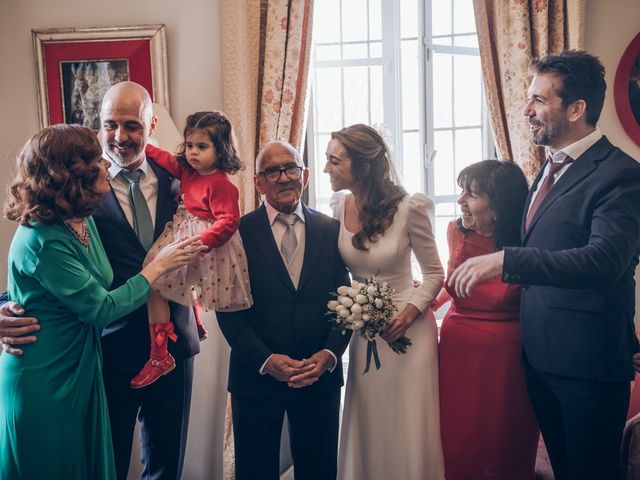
[391,419]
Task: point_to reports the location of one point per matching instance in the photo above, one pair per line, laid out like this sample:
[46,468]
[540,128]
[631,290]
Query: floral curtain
[266,47]
[510,34]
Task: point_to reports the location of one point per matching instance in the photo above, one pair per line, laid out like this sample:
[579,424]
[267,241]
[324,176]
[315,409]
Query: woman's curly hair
[376,181]
[56,174]
[220,132]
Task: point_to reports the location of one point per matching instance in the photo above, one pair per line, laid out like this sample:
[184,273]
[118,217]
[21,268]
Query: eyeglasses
[273,174]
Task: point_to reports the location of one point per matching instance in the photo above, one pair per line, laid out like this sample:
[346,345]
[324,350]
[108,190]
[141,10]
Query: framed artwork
[76,66]
[627,90]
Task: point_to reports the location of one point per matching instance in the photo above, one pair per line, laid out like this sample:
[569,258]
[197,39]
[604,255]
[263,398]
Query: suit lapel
[581,168]
[261,235]
[313,239]
[110,210]
[164,200]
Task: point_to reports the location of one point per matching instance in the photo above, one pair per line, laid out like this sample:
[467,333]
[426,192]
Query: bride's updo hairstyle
[375,181]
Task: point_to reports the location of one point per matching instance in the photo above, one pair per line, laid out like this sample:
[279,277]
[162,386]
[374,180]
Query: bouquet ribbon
[372,351]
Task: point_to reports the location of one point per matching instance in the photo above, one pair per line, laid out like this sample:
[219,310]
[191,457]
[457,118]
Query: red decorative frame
[143,46]
[621,90]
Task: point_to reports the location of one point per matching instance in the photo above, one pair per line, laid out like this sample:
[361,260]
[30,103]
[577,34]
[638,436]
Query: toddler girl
[208,207]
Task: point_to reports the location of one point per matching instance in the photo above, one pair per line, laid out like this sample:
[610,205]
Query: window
[414,67]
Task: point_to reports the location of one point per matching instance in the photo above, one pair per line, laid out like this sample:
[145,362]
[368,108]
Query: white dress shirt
[148,186]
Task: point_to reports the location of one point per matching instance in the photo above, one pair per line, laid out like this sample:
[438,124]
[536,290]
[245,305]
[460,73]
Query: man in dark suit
[285,357]
[127,122]
[580,243]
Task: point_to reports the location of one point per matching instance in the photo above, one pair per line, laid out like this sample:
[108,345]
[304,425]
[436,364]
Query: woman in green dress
[54,421]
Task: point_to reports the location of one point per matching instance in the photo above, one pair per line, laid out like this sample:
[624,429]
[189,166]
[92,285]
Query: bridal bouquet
[365,307]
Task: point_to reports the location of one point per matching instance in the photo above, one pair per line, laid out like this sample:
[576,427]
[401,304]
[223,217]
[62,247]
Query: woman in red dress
[489,430]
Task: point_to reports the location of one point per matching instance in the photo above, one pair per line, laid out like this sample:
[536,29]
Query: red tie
[561,159]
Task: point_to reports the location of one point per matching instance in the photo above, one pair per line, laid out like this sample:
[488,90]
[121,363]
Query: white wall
[193,49]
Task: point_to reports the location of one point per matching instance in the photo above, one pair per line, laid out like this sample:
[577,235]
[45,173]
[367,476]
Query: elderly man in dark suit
[129,219]
[285,357]
[580,237]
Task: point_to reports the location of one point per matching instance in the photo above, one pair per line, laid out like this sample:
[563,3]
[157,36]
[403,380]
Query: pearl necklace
[83,237]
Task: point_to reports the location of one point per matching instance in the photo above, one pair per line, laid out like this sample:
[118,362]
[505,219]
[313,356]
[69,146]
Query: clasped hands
[299,373]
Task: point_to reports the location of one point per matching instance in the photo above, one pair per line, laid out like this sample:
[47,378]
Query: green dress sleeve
[60,272]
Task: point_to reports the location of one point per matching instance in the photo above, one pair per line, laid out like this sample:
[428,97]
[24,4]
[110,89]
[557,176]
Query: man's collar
[272,212]
[585,143]
[115,169]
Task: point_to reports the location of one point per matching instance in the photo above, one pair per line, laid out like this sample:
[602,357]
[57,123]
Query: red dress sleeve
[165,159]
[223,202]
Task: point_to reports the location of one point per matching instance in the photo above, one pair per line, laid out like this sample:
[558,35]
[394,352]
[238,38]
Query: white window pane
[446,41]
[411,162]
[446,209]
[376,108]
[441,98]
[328,95]
[409,18]
[441,17]
[354,20]
[466,41]
[375,20]
[375,50]
[410,87]
[323,186]
[326,21]
[441,239]
[444,179]
[356,95]
[463,19]
[467,93]
[468,147]
[354,50]
[327,52]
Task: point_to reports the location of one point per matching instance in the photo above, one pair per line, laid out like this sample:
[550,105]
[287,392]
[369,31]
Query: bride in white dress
[391,419]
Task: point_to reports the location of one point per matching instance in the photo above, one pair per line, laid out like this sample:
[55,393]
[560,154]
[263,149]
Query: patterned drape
[266,47]
[510,34]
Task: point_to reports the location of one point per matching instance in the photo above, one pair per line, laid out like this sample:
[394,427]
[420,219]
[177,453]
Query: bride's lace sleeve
[423,244]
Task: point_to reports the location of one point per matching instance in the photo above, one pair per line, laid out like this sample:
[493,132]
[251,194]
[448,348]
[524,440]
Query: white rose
[353,292]
[355,284]
[343,290]
[356,308]
[361,299]
[357,325]
[332,305]
[366,317]
[344,313]
[350,319]
[371,290]
[347,302]
[340,307]
[379,303]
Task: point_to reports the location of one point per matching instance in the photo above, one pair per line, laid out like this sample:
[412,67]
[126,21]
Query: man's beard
[547,134]
[123,161]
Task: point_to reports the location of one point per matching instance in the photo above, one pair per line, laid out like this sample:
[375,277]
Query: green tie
[142,223]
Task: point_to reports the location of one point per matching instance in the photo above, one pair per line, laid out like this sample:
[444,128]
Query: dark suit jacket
[285,320]
[577,265]
[126,341]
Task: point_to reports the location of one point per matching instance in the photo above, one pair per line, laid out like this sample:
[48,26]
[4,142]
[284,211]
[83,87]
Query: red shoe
[152,371]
